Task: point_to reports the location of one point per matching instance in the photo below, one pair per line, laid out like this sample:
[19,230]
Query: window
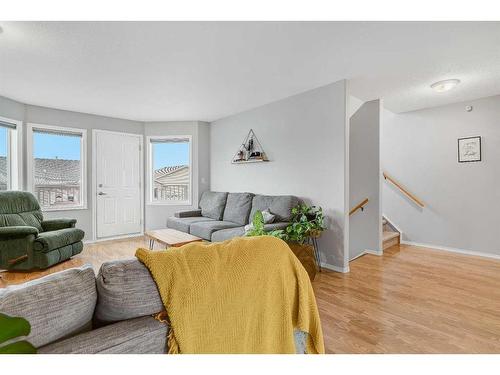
[169,170]
[56,166]
[9,154]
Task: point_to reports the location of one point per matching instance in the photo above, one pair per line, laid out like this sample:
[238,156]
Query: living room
[132,152]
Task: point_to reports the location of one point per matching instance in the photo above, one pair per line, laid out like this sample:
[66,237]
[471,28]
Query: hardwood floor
[410,300]
[94,254]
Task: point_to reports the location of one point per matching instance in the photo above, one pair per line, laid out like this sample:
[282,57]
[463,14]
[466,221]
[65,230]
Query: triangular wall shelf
[250,151]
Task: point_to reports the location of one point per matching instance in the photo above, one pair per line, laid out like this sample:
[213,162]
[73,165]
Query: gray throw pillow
[268,216]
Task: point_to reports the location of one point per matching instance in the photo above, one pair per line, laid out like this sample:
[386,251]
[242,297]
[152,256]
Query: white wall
[462,200]
[365,229]
[49,116]
[353,104]
[11,109]
[156,214]
[304,136]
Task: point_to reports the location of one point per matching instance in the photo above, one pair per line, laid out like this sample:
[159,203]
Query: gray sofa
[223,215]
[74,312]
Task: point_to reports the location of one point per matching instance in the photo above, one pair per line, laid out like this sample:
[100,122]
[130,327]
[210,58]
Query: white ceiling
[151,71]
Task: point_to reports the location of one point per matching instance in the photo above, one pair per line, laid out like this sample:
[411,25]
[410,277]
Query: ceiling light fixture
[445,85]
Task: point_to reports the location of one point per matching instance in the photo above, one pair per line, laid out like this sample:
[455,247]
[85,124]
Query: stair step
[390,239]
[389,235]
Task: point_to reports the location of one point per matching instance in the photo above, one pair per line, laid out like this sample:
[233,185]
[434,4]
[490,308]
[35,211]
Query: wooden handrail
[359,206]
[403,190]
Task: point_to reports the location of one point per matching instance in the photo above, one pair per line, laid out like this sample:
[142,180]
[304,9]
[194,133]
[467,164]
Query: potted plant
[307,222]
[306,225]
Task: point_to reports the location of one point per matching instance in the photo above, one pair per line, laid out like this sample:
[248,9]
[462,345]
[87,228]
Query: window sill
[185,203]
[55,209]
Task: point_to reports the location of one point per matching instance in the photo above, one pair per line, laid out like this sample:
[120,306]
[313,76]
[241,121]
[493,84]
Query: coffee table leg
[151,243]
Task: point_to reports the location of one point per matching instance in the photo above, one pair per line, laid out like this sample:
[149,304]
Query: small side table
[170,237]
[314,241]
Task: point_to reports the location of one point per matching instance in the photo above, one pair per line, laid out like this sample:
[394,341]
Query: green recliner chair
[27,241]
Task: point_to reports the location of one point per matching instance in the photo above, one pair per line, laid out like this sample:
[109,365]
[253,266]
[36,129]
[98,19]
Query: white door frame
[94,184]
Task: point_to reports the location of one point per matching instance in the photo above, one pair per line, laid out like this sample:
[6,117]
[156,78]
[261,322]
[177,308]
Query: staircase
[390,235]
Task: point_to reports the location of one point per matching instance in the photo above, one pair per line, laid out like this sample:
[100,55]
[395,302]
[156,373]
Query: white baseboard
[453,250]
[335,268]
[374,252]
[88,242]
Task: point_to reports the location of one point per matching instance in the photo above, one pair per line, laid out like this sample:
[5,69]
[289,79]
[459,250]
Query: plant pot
[315,233]
[305,254]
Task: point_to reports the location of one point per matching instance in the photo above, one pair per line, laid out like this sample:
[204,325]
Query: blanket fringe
[173,346]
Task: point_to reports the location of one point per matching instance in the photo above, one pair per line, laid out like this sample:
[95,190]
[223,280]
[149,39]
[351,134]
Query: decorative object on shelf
[469,149]
[306,226]
[250,151]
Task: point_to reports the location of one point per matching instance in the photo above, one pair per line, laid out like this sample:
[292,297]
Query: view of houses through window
[57,168]
[4,159]
[171,170]
[8,155]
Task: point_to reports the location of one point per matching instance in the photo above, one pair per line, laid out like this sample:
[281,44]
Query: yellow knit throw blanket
[245,295]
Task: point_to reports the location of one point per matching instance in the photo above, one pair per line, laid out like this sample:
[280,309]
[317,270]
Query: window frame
[15,154]
[31,127]
[150,186]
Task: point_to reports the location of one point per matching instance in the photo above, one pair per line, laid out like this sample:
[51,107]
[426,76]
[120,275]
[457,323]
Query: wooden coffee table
[170,237]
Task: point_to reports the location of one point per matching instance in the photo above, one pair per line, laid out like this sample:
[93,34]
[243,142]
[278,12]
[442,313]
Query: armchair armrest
[56,224]
[190,213]
[8,233]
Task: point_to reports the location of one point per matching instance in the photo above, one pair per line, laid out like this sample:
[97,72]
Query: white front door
[118,184]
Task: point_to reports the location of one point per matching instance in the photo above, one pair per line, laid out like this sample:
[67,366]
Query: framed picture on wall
[469,149]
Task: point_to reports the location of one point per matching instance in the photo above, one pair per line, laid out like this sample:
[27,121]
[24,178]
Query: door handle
[101,193]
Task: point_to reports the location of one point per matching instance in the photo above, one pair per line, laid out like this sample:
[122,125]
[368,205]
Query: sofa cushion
[143,335]
[238,206]
[206,228]
[183,223]
[227,234]
[279,205]
[48,241]
[212,204]
[275,226]
[126,290]
[58,305]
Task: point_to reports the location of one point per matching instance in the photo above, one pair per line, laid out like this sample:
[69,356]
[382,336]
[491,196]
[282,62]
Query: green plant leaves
[18,347]
[258,221]
[11,328]
[258,225]
[306,222]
